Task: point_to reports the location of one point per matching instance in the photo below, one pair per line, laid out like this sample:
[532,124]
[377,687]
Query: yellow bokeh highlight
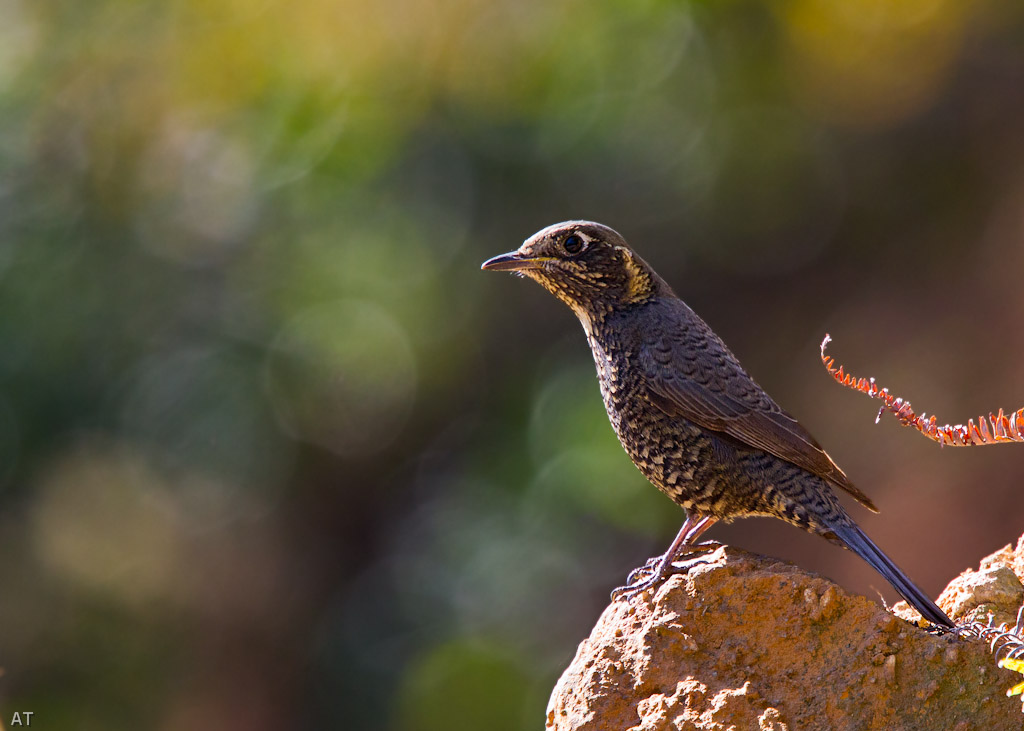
[1018,667]
[872,63]
[101,524]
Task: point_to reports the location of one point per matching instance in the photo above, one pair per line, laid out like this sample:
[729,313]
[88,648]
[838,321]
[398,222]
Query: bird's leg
[660,567]
[684,542]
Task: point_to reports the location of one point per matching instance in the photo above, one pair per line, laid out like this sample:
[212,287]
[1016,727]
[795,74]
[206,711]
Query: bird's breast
[668,451]
[613,368]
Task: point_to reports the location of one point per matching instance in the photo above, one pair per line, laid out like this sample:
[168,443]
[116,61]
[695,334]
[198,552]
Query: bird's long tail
[857,541]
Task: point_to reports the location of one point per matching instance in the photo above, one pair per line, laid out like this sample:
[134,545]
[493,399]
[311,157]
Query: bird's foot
[658,568]
[638,574]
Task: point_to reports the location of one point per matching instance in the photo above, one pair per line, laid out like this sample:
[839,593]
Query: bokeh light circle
[343,375]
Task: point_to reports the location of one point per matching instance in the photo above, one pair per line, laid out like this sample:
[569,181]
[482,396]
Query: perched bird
[685,410]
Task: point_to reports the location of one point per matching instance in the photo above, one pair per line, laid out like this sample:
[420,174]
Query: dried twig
[996,429]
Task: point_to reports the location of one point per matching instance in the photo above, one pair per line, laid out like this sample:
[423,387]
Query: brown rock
[747,642]
[994,589]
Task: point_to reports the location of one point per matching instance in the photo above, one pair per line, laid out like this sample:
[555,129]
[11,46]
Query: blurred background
[276,454]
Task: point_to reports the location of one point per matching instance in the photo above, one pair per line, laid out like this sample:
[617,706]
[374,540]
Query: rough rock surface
[994,589]
[748,642]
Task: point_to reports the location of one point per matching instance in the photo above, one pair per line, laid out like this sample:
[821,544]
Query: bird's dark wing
[689,372]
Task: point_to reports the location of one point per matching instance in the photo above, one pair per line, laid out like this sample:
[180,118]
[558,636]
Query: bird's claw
[631,589]
[657,569]
[636,574]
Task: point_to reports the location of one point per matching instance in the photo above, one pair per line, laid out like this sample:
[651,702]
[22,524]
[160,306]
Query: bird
[686,412]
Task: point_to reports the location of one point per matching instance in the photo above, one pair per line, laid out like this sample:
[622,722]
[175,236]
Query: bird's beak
[513,261]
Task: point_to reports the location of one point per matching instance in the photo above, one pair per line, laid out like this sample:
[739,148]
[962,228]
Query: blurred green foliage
[275,454]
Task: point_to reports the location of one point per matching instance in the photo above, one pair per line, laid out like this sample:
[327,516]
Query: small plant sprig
[1003,641]
[998,428]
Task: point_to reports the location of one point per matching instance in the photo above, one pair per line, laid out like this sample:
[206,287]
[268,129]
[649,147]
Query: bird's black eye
[573,244]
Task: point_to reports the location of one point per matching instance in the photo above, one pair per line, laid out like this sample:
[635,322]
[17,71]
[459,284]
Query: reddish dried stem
[996,429]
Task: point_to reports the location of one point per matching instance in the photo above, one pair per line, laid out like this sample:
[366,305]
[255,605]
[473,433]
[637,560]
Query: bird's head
[586,265]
